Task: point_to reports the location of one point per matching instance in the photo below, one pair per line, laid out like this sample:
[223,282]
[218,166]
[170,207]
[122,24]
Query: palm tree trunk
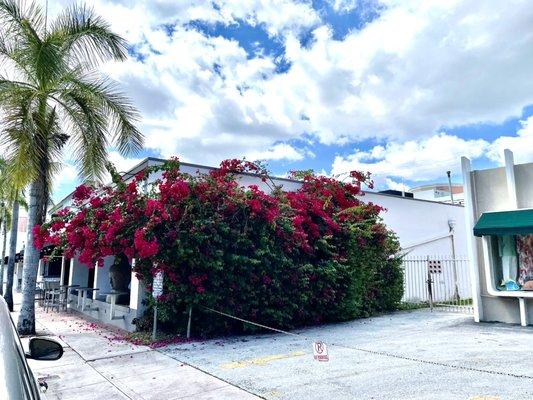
[4,243]
[8,296]
[36,214]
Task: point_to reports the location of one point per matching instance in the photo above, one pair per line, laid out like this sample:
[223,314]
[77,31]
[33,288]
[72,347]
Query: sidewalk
[99,365]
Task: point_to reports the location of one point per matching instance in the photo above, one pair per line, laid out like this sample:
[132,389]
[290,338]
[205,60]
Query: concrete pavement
[97,364]
[414,355]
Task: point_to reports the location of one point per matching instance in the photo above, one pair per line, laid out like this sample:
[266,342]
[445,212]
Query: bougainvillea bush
[283,259]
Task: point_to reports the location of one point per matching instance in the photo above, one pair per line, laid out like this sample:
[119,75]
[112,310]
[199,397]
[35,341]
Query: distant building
[439,192]
[397,193]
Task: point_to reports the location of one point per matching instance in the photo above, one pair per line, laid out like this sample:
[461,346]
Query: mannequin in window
[507,253]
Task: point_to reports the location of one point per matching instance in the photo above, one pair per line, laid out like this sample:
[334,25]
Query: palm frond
[122,115]
[89,136]
[16,16]
[54,96]
[86,36]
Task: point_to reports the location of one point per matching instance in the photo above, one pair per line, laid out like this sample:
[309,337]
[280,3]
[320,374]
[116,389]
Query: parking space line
[261,360]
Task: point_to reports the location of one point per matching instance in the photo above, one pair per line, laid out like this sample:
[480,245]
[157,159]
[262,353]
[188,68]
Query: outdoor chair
[39,293]
[64,297]
[52,295]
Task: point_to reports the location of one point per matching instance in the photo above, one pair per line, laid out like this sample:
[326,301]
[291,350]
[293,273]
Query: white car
[16,379]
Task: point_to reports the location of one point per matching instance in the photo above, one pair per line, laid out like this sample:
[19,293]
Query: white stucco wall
[490,193]
[415,221]
[79,273]
[102,278]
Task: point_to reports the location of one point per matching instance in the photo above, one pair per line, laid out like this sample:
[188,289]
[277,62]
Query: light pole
[449,173]
[451,225]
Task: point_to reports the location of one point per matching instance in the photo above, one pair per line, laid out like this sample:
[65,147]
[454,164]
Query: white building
[499,212]
[439,192]
[424,229]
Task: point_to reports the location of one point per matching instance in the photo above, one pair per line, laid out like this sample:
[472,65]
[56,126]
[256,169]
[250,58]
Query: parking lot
[405,355]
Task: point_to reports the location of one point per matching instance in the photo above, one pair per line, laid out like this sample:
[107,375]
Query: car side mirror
[44,349]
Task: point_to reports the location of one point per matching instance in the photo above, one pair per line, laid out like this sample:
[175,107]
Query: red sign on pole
[320,351]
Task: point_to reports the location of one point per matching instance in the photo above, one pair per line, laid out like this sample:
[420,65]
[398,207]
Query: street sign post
[157,291]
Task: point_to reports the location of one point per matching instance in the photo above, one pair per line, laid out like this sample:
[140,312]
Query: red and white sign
[157,286]
[320,351]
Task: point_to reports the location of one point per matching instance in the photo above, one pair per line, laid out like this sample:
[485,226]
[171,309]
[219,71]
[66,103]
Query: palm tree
[54,99]
[12,194]
[8,296]
[3,219]
[3,222]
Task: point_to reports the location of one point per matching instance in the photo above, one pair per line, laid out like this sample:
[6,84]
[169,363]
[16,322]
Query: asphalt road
[405,355]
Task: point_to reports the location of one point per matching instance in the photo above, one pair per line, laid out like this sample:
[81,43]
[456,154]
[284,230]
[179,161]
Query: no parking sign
[320,351]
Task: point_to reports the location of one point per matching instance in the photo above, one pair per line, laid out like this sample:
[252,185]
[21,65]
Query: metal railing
[438,282]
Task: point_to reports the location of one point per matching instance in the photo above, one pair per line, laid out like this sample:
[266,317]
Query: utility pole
[449,173]
[456,297]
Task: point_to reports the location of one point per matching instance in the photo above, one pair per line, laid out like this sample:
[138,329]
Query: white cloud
[417,67]
[64,181]
[412,160]
[280,151]
[363,6]
[344,5]
[121,163]
[67,179]
[401,186]
[420,66]
[134,20]
[521,145]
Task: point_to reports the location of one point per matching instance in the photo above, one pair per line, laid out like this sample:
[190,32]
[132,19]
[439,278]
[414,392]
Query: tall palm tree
[3,225]
[3,222]
[54,99]
[3,217]
[8,295]
[10,194]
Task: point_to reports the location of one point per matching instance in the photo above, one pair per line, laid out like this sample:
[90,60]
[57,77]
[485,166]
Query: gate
[438,282]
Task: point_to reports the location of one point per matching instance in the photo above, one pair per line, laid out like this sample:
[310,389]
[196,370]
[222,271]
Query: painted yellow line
[261,360]
[485,398]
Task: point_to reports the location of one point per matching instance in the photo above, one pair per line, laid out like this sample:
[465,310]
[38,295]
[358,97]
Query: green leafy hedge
[282,259]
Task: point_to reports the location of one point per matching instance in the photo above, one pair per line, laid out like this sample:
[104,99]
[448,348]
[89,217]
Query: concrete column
[97,271]
[470,220]
[523,311]
[137,293]
[511,182]
[71,275]
[40,271]
[62,274]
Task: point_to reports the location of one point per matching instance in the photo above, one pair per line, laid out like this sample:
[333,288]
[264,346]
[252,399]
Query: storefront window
[514,267]
[524,247]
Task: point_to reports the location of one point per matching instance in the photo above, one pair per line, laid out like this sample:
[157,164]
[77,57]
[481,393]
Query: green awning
[516,222]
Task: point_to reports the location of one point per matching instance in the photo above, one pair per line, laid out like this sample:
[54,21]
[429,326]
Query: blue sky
[400,88]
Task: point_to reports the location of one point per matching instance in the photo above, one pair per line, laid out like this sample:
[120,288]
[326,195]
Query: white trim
[473,256]
[509,175]
[521,295]
[489,276]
